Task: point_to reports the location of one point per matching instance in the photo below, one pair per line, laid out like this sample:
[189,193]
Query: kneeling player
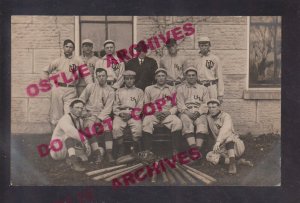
[67,131]
[228,145]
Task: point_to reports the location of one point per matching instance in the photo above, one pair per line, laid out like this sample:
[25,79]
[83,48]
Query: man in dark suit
[143,66]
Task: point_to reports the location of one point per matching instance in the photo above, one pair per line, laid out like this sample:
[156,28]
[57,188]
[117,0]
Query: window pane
[265,53]
[92,18]
[119,18]
[121,34]
[94,32]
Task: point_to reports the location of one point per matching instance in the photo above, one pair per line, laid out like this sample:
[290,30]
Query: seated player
[67,131]
[161,95]
[191,103]
[227,145]
[99,98]
[127,99]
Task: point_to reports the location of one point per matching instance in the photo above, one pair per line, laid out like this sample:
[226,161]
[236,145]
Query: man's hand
[165,114]
[125,116]
[94,118]
[159,115]
[220,98]
[216,147]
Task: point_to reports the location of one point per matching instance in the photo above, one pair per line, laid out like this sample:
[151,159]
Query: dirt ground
[28,168]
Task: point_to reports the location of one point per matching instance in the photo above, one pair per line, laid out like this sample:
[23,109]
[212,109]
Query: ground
[28,168]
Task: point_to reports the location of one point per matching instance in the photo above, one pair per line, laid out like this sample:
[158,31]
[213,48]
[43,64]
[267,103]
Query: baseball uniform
[64,93]
[210,74]
[114,71]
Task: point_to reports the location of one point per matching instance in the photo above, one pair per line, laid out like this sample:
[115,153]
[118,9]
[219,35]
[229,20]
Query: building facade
[248,47]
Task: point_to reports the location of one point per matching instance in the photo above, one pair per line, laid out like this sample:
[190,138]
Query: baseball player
[67,132]
[112,64]
[159,94]
[210,70]
[173,63]
[89,59]
[127,98]
[227,145]
[61,96]
[191,103]
[99,98]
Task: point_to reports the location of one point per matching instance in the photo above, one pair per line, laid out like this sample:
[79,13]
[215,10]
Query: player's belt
[173,83]
[64,85]
[207,83]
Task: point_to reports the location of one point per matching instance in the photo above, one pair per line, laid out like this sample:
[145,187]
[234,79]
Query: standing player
[210,70]
[191,103]
[159,94]
[111,63]
[99,98]
[89,59]
[127,99]
[68,65]
[173,63]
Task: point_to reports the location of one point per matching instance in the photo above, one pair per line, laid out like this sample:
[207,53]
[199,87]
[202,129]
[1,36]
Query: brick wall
[37,40]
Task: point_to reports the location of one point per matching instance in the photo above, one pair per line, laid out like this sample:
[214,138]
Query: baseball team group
[113,91]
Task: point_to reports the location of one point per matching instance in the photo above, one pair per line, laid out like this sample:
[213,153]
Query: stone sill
[262,94]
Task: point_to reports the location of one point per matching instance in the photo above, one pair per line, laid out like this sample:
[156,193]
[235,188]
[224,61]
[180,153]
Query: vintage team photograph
[145,101]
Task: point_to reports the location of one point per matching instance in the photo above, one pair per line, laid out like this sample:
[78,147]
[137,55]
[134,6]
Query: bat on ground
[186,174]
[201,178]
[106,175]
[164,177]
[200,173]
[120,174]
[105,170]
[178,176]
[170,177]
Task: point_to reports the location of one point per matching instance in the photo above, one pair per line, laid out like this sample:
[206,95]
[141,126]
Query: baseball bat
[154,177]
[165,178]
[201,178]
[119,174]
[170,177]
[105,170]
[178,177]
[186,175]
[200,173]
[106,175]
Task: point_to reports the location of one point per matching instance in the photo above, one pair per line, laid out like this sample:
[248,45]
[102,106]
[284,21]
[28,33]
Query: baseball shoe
[75,164]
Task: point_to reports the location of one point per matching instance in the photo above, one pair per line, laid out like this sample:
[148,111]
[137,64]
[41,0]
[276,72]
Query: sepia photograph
[145,100]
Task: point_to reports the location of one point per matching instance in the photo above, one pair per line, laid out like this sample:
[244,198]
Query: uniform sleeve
[173,110]
[220,77]
[85,95]
[205,99]
[88,78]
[120,78]
[147,97]
[69,129]
[107,106]
[47,70]
[225,130]
[117,104]
[140,99]
[180,100]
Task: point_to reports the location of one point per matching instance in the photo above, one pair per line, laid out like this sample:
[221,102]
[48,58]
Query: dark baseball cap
[170,42]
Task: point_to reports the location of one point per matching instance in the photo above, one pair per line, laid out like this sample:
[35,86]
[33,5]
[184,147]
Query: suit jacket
[145,73]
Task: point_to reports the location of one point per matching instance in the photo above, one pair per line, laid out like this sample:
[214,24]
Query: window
[265,52]
[101,28]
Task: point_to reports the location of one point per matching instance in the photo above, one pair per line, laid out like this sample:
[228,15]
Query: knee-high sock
[70,143]
[108,137]
[190,138]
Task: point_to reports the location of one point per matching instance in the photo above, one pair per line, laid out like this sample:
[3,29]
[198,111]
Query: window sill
[262,94]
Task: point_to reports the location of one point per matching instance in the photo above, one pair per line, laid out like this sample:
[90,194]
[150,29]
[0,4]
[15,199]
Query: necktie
[141,61]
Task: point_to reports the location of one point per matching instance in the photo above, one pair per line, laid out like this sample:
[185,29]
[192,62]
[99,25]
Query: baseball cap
[203,39]
[170,42]
[190,68]
[161,70]
[129,73]
[87,41]
[108,41]
[213,101]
